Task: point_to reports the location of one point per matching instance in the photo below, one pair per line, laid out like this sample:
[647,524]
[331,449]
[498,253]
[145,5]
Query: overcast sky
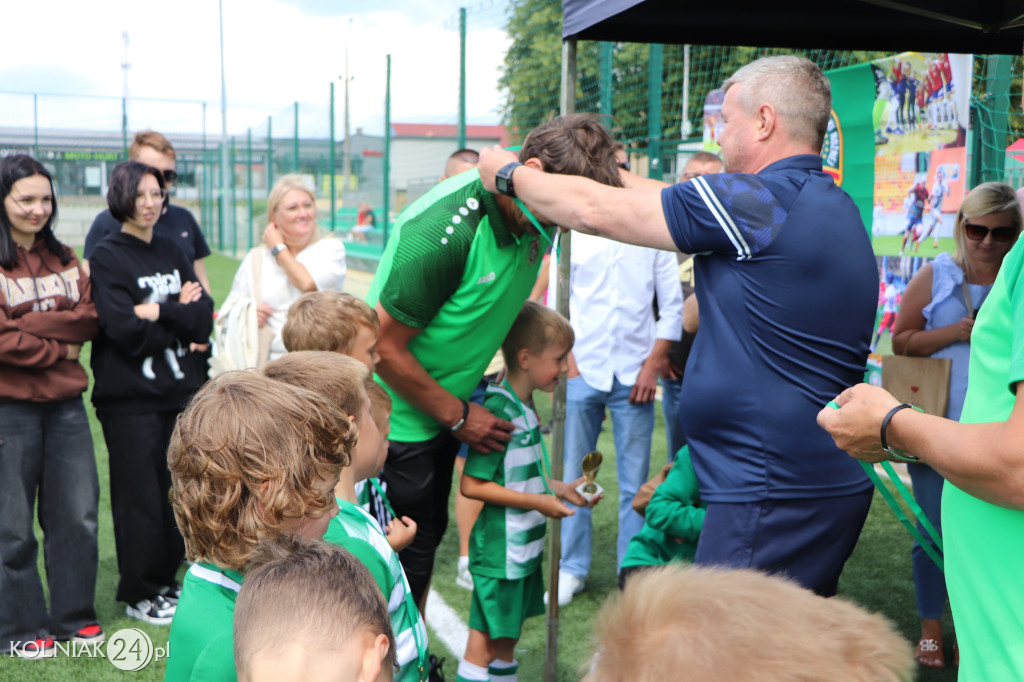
[276,52]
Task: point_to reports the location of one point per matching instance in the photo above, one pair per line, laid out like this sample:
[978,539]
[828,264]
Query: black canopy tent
[986,27]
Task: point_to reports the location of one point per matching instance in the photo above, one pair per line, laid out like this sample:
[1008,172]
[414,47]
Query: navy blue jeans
[929,581]
[46,451]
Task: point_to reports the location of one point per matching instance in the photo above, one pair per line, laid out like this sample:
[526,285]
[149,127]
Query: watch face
[503,179]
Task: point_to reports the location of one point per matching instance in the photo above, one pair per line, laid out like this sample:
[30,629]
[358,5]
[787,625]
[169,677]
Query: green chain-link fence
[653,94]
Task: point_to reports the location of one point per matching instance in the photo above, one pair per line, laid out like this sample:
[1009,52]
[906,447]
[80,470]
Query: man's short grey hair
[797,90]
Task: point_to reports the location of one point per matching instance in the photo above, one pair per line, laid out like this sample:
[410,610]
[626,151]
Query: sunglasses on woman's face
[979,232]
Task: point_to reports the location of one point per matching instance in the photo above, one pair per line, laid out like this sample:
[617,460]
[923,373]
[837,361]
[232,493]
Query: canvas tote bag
[921,381]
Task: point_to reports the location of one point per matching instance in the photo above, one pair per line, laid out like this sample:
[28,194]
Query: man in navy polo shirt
[787,293]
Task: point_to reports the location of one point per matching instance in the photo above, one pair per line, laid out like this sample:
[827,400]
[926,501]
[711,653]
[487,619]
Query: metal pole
[35,123]
[234,200]
[387,149]
[654,133]
[204,188]
[249,180]
[568,106]
[334,173]
[685,127]
[348,142]
[270,153]
[125,65]
[295,140]
[224,170]
[462,78]
[605,82]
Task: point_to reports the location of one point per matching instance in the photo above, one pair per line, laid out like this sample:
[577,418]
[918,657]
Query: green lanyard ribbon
[915,509]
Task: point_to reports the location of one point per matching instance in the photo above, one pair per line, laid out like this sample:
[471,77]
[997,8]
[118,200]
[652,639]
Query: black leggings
[417,479]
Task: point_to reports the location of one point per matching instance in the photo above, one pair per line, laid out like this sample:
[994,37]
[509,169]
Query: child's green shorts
[500,606]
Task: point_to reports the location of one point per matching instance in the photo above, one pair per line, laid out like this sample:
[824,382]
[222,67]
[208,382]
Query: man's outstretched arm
[632,214]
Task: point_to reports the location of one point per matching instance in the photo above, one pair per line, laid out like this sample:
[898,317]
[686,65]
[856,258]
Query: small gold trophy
[589,489]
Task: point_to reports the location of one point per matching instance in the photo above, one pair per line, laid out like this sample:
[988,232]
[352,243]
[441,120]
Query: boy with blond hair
[333,321]
[250,458]
[337,620]
[400,531]
[341,323]
[345,381]
[680,622]
[515,485]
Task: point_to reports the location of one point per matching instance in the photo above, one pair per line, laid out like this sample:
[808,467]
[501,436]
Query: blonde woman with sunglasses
[936,319]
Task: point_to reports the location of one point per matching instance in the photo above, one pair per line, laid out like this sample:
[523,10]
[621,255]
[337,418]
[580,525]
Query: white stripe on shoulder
[215,577]
[722,216]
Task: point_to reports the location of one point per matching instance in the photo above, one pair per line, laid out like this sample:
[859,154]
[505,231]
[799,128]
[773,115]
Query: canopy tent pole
[568,106]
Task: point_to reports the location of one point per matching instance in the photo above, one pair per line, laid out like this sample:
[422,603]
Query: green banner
[849,150]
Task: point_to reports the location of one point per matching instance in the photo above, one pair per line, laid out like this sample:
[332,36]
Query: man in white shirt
[620,350]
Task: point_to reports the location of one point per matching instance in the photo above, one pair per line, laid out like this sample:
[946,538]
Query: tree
[532,76]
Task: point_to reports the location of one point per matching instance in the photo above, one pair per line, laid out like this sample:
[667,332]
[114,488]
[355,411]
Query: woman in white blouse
[296,259]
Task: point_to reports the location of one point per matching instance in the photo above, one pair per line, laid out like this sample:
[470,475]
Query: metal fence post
[387,150]
[248,170]
[334,193]
[270,153]
[295,140]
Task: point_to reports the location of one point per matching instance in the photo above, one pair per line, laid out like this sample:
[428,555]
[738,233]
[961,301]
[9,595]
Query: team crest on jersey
[534,250]
[832,149]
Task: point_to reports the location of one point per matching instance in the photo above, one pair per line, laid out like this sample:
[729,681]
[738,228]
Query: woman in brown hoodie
[46,314]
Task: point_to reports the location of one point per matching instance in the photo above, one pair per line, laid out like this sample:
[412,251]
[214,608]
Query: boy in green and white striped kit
[353,529]
[515,485]
[358,532]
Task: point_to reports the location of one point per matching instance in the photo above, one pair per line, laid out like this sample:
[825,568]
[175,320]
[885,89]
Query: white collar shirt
[611,306]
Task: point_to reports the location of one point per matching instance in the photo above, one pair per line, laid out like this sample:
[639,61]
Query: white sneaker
[463,578]
[155,611]
[568,587]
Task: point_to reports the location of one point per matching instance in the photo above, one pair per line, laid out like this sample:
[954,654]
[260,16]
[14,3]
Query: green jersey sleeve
[429,263]
[676,508]
[1015,289]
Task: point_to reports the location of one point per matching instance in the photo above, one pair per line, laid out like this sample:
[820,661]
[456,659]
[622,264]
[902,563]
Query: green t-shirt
[453,269]
[673,520]
[200,643]
[984,555]
[355,530]
[507,542]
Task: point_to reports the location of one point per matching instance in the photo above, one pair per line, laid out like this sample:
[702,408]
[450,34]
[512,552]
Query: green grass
[878,575]
[890,246]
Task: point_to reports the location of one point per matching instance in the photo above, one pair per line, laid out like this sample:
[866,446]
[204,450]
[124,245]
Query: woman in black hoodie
[46,314]
[151,309]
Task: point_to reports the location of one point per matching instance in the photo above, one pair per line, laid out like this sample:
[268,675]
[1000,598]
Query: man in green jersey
[458,267]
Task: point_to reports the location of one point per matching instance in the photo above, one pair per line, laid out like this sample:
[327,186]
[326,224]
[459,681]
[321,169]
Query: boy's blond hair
[307,593]
[339,378]
[327,320]
[380,405]
[248,457]
[696,623]
[536,328]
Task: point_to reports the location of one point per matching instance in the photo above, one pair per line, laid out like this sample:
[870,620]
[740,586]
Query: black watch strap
[503,179]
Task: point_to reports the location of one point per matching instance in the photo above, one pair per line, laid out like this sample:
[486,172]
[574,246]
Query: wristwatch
[276,251]
[503,179]
[465,413]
